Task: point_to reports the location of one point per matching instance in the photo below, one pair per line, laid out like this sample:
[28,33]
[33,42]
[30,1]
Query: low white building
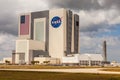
[47,60]
[71,59]
[84,59]
[7,59]
[1,62]
[91,59]
[115,64]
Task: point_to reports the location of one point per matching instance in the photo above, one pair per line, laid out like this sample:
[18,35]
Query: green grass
[20,75]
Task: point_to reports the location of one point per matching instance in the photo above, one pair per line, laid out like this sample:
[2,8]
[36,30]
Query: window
[77,23]
[22,21]
[21,56]
[39,31]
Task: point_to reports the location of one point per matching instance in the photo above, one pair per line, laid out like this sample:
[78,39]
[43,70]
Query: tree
[7,62]
[34,62]
[46,62]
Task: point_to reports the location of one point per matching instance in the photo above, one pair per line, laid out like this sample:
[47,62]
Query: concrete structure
[91,59]
[60,39]
[25,50]
[105,51]
[84,59]
[115,64]
[9,59]
[50,33]
[71,60]
[47,60]
[1,62]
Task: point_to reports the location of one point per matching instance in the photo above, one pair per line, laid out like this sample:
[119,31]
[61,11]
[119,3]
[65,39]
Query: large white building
[51,33]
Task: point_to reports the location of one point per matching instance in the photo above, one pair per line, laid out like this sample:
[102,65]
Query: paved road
[93,70]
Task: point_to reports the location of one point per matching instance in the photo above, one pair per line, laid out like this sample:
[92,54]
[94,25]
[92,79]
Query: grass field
[19,75]
[39,67]
[112,69]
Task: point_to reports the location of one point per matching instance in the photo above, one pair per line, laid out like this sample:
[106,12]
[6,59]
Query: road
[90,70]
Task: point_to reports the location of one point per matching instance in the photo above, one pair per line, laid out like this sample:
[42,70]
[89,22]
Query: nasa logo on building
[56,22]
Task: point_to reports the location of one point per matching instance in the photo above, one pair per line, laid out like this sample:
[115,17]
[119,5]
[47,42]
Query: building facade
[51,33]
[86,59]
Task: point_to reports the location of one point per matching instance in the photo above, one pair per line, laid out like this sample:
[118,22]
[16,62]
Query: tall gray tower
[105,51]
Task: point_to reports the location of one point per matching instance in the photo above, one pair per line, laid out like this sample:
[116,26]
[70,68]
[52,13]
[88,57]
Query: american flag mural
[24,25]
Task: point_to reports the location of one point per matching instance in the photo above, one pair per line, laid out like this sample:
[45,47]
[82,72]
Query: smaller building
[32,48]
[71,60]
[115,64]
[1,62]
[47,60]
[91,59]
[7,60]
[84,59]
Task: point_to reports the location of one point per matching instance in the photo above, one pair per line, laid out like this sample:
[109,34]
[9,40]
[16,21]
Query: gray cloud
[94,28]
[75,4]
[7,42]
[114,3]
[10,9]
[8,23]
[8,18]
[84,4]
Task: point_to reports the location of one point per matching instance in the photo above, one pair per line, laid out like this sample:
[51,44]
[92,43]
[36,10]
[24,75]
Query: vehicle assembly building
[52,34]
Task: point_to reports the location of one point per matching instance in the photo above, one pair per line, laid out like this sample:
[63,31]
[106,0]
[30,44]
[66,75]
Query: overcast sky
[99,21]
